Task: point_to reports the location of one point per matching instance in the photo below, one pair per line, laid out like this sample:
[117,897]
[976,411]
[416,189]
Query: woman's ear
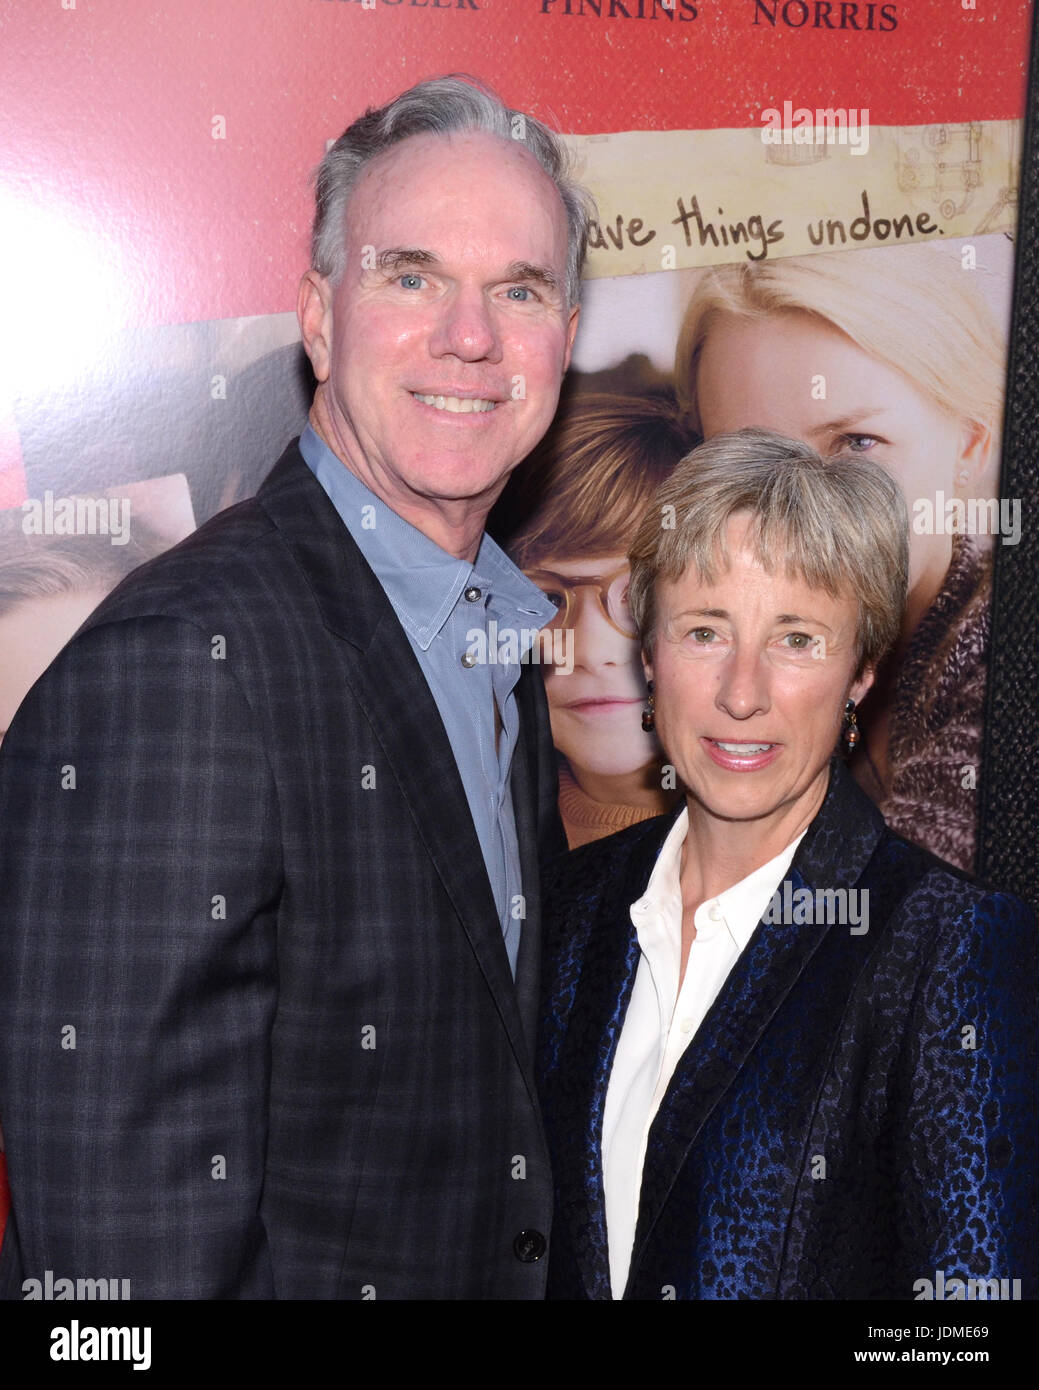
[975,444]
[647,664]
[861,684]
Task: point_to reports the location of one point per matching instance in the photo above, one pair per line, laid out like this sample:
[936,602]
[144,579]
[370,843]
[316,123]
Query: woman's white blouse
[661,1021]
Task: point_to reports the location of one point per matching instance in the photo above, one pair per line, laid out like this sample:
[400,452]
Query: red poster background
[107,112]
[108,107]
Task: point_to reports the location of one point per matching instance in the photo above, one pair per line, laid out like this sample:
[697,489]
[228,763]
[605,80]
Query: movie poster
[806,222]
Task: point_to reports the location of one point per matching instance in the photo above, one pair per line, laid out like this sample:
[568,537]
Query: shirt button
[714,912]
[473,594]
[687,1025]
[469,659]
[529,1246]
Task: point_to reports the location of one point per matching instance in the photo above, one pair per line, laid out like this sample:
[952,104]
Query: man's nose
[466,328]
[743,684]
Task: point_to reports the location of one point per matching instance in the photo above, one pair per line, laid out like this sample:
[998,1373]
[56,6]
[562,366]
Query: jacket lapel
[610,957]
[388,684]
[526,799]
[760,981]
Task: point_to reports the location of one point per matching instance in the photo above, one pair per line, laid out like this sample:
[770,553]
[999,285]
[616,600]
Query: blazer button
[529,1246]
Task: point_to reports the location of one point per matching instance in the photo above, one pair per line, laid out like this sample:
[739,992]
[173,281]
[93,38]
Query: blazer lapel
[525,801]
[760,981]
[610,960]
[389,686]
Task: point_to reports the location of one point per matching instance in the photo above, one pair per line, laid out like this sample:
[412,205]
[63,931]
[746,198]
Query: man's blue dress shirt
[441,602]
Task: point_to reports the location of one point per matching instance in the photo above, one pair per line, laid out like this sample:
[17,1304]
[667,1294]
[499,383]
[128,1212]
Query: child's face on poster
[596,709]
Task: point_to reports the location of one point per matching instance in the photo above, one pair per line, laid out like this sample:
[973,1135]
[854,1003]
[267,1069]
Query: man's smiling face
[441,351]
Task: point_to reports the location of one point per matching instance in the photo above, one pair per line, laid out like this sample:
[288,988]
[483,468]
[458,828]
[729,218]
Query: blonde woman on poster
[892,355]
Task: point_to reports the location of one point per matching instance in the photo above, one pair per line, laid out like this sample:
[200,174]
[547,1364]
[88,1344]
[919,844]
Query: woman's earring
[648,713]
[850,733]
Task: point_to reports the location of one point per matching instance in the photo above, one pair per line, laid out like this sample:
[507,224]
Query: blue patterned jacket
[856,1117]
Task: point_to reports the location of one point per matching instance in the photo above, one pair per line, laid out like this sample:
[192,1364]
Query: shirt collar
[663,892]
[421,581]
[740,907]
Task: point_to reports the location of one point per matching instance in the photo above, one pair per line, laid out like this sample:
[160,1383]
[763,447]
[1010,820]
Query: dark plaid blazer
[858,1111]
[258,1032]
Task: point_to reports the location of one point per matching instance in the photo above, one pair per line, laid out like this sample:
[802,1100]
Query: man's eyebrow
[397,256]
[400,257]
[526,270]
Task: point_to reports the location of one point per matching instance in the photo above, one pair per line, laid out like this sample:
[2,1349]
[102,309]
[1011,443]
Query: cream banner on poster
[676,199]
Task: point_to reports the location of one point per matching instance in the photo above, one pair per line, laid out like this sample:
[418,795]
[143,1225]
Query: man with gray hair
[270,832]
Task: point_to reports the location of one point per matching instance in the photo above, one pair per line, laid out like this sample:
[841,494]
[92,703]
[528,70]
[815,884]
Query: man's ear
[314,312]
[571,333]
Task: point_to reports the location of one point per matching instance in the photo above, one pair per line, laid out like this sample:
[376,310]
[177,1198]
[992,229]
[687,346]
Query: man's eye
[703,635]
[519,293]
[410,281]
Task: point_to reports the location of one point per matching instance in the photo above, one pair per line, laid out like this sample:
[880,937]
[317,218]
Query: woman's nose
[743,684]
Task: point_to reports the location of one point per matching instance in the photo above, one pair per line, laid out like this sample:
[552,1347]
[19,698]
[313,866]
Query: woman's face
[793,373]
[597,709]
[751,675]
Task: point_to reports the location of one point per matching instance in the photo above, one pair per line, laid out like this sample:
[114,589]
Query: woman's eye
[703,635]
[410,281]
[859,443]
[799,641]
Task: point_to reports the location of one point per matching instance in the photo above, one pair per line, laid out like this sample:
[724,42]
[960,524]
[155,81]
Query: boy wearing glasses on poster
[588,484]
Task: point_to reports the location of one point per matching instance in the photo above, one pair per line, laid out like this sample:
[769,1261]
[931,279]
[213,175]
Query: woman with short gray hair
[837,524]
[785,1054]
